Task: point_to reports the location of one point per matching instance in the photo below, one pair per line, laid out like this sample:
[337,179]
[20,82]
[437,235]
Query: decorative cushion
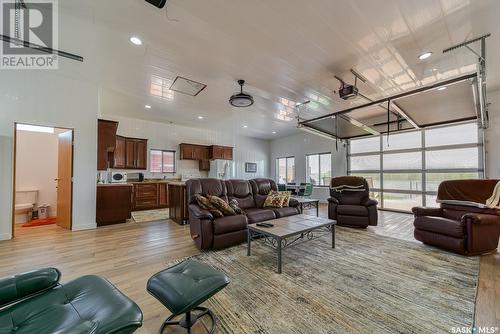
[273,200]
[204,203]
[234,205]
[222,205]
[286,195]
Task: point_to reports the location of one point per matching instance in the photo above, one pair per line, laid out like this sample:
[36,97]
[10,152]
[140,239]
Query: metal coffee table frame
[280,242]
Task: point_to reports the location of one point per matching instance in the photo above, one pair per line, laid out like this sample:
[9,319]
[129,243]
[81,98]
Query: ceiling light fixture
[147,106]
[201,117]
[241,99]
[245,126]
[274,132]
[425,55]
[442,88]
[135,40]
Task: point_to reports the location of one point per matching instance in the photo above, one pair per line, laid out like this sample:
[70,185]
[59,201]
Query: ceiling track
[462,78]
[26,44]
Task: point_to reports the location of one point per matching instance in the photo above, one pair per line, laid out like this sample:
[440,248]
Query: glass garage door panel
[461,158]
[402,141]
[403,181]
[433,180]
[452,135]
[366,162]
[404,202]
[365,145]
[373,179]
[402,161]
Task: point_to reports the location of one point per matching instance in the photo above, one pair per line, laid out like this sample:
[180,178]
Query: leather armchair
[461,229]
[35,302]
[352,208]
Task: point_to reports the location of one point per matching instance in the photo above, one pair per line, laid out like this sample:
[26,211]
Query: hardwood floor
[129,254]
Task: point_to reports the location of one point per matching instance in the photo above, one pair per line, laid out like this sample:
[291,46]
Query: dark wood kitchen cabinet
[113,203]
[106,143]
[204,165]
[221,152]
[150,195]
[177,199]
[136,153]
[120,152]
[194,152]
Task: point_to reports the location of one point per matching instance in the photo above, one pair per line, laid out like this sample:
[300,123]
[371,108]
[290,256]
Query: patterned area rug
[150,215]
[368,284]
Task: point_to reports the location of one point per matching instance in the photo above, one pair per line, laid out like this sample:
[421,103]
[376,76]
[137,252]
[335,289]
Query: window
[161,161]
[319,169]
[285,170]
[406,169]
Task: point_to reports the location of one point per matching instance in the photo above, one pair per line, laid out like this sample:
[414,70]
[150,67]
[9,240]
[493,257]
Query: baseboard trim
[5,236]
[84,227]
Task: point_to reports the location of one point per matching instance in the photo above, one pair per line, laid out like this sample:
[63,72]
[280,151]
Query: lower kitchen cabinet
[113,204]
[178,207]
[150,195]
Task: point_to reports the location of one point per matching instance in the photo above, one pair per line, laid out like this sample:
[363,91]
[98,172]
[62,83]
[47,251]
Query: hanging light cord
[388,120]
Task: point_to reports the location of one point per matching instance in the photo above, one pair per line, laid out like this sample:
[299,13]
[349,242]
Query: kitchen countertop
[114,185]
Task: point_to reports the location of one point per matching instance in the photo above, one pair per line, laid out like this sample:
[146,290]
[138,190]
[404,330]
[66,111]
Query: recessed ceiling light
[147,106]
[442,88]
[201,117]
[135,40]
[425,55]
[245,126]
[274,132]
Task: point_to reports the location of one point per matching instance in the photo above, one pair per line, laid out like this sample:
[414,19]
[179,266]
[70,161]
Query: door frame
[14,165]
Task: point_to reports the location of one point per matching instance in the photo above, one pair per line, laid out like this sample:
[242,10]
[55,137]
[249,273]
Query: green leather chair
[36,303]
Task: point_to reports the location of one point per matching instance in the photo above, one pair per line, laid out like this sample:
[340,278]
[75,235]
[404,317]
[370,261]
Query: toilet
[26,200]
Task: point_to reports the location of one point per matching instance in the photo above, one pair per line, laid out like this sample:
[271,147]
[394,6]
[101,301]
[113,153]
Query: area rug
[40,222]
[150,215]
[367,284]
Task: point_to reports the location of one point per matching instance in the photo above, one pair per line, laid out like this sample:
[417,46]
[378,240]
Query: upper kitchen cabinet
[221,152]
[194,152]
[106,143]
[120,152]
[136,153]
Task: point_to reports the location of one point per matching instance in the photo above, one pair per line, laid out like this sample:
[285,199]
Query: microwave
[119,177]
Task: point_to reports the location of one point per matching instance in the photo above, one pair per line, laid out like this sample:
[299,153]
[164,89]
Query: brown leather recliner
[216,233]
[352,208]
[461,229]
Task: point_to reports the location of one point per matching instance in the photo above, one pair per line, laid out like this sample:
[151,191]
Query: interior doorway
[43,178]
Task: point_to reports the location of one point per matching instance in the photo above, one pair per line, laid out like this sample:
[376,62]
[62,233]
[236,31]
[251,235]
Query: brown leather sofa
[461,229]
[216,233]
[352,208]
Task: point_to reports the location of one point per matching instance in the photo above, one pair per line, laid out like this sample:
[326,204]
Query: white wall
[301,144]
[492,137]
[169,136]
[51,99]
[36,166]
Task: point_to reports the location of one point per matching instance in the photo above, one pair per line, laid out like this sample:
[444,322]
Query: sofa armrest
[333,200]
[293,203]
[423,211]
[18,287]
[197,212]
[369,202]
[481,218]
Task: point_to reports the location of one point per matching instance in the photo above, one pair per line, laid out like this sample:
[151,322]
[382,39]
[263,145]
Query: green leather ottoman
[36,303]
[183,287]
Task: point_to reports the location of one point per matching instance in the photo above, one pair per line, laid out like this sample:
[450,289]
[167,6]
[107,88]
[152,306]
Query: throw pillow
[234,205]
[286,195]
[222,205]
[205,204]
[273,200]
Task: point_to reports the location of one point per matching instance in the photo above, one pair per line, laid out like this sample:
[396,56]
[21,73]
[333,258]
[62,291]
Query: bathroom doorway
[43,178]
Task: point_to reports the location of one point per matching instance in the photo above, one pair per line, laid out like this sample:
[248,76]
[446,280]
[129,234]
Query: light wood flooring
[129,254]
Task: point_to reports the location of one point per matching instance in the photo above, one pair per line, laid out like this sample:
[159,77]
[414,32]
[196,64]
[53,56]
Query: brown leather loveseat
[459,228]
[216,233]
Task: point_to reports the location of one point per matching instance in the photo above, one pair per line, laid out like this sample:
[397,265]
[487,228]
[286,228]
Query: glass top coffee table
[290,231]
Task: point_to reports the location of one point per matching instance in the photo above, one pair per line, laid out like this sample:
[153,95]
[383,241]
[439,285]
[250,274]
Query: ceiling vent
[241,99]
[187,86]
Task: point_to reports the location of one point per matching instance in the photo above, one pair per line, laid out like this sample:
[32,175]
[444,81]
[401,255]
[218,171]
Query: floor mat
[40,222]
